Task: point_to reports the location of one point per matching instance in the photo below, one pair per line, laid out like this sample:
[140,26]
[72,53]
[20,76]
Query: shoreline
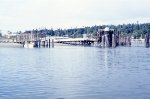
[11,45]
[17,45]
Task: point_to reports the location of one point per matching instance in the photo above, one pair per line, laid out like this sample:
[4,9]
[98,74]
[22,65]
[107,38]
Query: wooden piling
[124,41]
[39,43]
[107,41]
[46,43]
[114,43]
[35,44]
[128,41]
[43,43]
[49,43]
[117,38]
[52,42]
[147,40]
[103,41]
[120,40]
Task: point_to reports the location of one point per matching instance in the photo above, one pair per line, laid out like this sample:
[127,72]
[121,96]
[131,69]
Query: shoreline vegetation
[133,29]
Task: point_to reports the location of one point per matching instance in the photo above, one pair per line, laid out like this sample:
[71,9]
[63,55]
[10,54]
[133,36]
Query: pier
[76,41]
[105,38]
[35,39]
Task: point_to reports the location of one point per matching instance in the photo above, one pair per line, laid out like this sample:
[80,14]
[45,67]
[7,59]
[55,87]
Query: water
[70,72]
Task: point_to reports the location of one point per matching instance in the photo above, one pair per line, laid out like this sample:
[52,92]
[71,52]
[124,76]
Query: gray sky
[22,15]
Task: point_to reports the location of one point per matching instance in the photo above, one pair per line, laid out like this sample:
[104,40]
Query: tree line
[135,30]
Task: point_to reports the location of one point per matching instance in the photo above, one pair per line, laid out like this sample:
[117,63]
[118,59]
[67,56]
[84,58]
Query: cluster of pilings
[37,39]
[111,38]
[124,40]
[39,43]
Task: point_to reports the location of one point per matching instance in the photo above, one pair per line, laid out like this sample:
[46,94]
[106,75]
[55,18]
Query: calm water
[75,73]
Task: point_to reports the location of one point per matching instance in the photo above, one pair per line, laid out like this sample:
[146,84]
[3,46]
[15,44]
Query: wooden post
[124,41]
[43,43]
[52,42]
[114,40]
[106,41]
[117,39]
[103,41]
[128,41]
[120,40]
[147,40]
[35,43]
[46,43]
[39,43]
[49,41]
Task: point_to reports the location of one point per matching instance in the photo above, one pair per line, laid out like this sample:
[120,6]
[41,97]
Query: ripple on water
[75,73]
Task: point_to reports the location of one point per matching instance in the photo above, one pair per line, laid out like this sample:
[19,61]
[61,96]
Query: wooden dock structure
[33,39]
[105,38]
[76,41]
[112,38]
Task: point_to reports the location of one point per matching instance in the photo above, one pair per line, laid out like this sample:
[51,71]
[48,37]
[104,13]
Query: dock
[105,38]
[76,41]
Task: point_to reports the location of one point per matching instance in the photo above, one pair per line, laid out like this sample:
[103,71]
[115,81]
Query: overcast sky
[23,15]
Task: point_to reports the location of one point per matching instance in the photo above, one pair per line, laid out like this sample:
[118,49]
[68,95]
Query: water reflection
[75,73]
[106,59]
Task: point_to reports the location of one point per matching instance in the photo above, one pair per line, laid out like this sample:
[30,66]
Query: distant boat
[29,45]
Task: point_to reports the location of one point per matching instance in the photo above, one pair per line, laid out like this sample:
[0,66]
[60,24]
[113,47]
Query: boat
[28,44]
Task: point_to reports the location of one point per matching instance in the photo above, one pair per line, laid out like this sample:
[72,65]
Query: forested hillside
[131,29]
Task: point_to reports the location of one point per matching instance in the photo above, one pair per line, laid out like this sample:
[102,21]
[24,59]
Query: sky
[21,15]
